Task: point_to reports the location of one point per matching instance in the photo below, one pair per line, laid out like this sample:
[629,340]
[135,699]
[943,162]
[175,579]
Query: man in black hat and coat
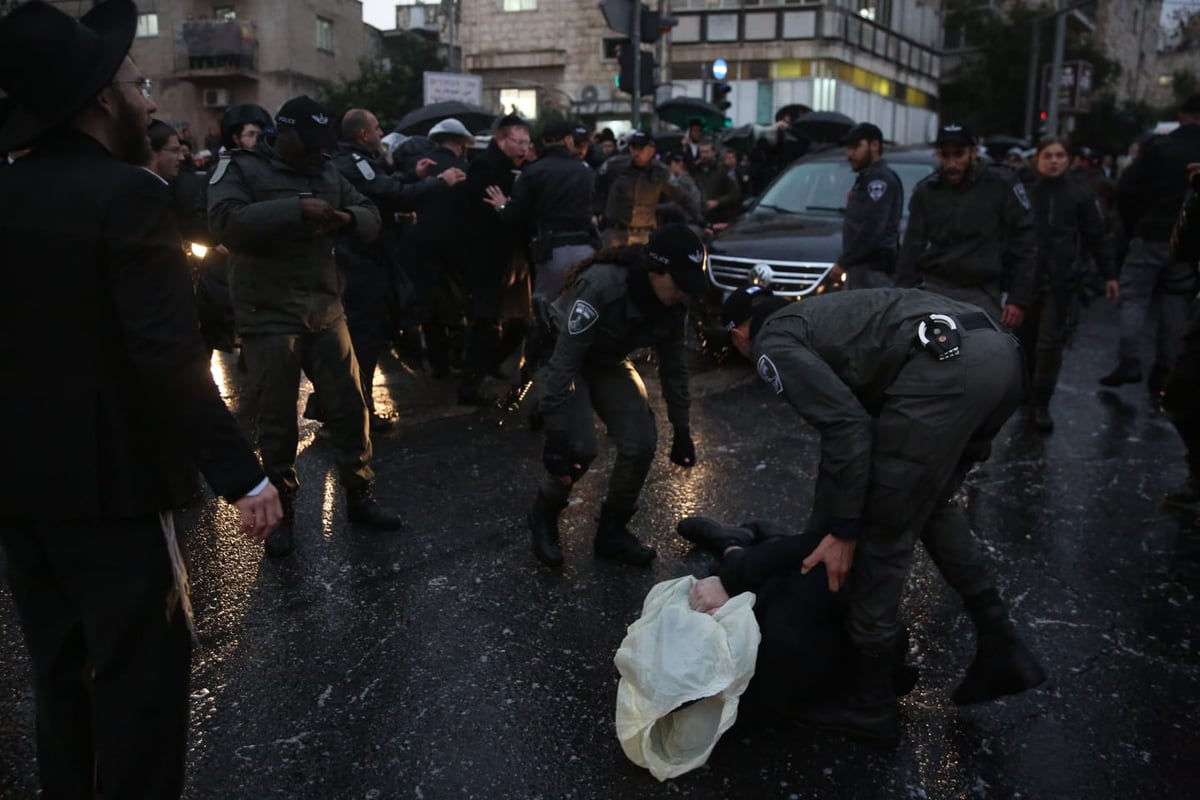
[97,456]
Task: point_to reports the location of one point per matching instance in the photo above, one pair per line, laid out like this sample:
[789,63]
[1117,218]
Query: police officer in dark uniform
[370,268]
[279,208]
[871,231]
[906,389]
[629,189]
[619,300]
[970,232]
[1181,389]
[553,202]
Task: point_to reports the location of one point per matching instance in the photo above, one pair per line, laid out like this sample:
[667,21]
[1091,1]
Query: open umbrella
[822,126]
[681,111]
[794,111]
[419,121]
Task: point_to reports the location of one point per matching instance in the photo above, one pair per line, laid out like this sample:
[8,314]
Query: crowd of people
[323,246]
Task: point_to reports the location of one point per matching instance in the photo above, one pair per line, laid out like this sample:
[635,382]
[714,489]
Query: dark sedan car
[788,240]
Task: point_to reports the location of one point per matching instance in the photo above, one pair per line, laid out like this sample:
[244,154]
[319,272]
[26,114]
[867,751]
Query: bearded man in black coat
[101,450]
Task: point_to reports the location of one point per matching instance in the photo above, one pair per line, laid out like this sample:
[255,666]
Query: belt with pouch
[941,334]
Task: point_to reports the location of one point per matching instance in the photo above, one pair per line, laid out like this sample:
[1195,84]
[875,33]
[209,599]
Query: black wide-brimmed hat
[51,65]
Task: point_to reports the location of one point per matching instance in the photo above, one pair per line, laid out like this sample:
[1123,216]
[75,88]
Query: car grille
[790,278]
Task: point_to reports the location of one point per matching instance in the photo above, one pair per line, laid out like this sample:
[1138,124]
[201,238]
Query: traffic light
[720,95]
[625,57]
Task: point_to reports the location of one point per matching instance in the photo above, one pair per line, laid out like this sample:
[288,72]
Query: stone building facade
[205,56]
[869,59]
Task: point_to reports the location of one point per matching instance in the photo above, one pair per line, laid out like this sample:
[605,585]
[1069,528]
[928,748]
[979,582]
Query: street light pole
[1060,44]
[1031,96]
[636,25]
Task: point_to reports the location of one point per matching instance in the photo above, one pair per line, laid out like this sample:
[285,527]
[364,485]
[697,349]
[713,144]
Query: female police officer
[614,302]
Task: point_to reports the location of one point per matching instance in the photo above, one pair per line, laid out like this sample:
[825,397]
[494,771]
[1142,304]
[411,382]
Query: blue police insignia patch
[769,373]
[583,316]
[1022,195]
[876,189]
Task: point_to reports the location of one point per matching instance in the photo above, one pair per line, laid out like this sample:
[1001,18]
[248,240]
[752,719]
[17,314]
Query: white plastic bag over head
[671,657]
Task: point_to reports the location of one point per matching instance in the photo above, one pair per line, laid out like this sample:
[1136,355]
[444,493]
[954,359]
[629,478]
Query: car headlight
[198,250]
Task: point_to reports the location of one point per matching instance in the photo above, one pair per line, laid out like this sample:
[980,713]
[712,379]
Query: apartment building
[870,59]
[204,56]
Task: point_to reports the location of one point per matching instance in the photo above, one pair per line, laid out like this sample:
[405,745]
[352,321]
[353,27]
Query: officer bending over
[906,389]
[619,300]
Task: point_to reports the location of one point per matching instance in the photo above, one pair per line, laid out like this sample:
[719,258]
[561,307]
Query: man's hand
[707,595]
[557,457]
[424,166]
[494,197]
[1012,316]
[260,514]
[317,210]
[836,554]
[683,449]
[340,220]
[1112,291]
[452,176]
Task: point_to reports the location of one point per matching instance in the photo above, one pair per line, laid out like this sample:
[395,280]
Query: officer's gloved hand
[683,449]
[556,453]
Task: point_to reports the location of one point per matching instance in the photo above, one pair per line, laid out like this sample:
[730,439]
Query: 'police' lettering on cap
[678,251]
[310,120]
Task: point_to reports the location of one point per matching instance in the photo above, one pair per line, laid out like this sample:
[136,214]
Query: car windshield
[821,186]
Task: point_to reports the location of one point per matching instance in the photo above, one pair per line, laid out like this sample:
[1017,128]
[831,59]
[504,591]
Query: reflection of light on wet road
[331,487]
[222,365]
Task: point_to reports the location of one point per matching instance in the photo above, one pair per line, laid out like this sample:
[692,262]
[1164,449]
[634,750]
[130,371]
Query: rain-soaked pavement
[443,662]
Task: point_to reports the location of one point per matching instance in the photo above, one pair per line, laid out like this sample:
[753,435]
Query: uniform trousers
[275,361]
[616,394]
[1148,272]
[1181,392]
[110,652]
[939,417]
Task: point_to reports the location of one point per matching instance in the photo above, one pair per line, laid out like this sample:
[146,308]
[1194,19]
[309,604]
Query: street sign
[720,68]
[443,86]
[1074,87]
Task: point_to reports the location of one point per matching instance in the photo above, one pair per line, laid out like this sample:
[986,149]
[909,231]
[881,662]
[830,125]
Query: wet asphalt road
[443,662]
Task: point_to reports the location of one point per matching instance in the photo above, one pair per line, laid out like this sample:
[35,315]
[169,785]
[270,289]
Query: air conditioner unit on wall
[216,98]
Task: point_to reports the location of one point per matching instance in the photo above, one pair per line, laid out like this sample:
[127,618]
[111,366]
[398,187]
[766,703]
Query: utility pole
[636,26]
[1032,90]
[1056,68]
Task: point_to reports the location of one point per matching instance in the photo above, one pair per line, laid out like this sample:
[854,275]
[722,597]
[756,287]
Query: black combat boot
[614,541]
[707,533]
[282,542]
[543,526]
[1129,370]
[362,508]
[868,709]
[1003,664]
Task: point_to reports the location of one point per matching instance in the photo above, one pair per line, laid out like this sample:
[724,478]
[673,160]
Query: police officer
[278,208]
[629,189]
[615,302]
[871,231]
[970,233]
[906,389]
[1149,197]
[553,202]
[370,268]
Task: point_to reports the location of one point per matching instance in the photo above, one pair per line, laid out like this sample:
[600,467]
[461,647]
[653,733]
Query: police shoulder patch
[770,373]
[876,189]
[1022,195]
[583,316]
[219,173]
[364,167]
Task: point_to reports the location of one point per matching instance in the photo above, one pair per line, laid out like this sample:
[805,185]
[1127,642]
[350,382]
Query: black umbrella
[794,111]
[681,111]
[822,126]
[739,139]
[419,121]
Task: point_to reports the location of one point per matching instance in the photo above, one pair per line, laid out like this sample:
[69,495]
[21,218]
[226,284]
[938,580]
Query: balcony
[217,49]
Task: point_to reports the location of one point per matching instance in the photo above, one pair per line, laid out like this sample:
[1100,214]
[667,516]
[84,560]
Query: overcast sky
[380,13]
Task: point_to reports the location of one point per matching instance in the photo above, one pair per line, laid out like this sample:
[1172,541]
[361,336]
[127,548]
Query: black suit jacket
[108,401]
